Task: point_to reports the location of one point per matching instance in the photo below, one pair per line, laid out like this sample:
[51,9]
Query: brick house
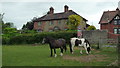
[110,21]
[55,21]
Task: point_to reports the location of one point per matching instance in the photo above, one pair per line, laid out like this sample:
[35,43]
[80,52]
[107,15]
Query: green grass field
[28,55]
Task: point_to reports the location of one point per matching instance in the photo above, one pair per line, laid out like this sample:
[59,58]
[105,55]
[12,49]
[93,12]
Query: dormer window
[117,20]
[117,17]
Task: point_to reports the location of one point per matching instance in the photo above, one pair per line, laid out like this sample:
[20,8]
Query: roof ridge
[109,11]
[60,12]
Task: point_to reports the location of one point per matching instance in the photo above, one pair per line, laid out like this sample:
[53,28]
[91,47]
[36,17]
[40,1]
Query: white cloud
[21,12]
[59,0]
[119,5]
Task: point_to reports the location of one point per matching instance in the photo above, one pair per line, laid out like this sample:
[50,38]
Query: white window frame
[115,22]
[118,30]
[115,30]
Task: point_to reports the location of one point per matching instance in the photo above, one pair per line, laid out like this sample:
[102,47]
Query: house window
[117,17]
[51,22]
[56,28]
[115,22]
[50,30]
[116,30]
[39,23]
[59,21]
[39,30]
[119,22]
[119,31]
[66,21]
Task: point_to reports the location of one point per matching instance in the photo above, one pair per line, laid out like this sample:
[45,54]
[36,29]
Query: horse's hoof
[55,55]
[72,52]
[81,53]
[61,54]
[89,52]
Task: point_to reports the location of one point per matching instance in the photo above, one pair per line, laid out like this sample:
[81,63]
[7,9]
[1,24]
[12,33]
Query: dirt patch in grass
[87,58]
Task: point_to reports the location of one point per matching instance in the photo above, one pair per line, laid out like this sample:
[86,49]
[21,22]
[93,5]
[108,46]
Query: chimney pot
[51,10]
[66,8]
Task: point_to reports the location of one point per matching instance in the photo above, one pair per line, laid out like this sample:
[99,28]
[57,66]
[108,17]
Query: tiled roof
[108,16]
[57,16]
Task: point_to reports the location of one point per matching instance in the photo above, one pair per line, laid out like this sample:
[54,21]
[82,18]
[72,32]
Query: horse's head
[45,40]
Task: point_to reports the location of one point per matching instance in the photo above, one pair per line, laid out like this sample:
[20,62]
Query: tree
[7,27]
[74,21]
[91,28]
[1,18]
[1,22]
[28,26]
[10,30]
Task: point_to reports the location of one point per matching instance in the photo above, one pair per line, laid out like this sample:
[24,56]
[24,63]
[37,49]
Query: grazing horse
[81,42]
[59,43]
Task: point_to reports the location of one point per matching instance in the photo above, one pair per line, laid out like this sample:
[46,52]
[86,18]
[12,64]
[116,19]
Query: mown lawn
[28,55]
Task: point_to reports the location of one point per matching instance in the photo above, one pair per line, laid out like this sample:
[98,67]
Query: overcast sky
[20,12]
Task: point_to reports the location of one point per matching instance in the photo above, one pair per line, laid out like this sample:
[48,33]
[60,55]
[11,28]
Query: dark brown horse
[53,43]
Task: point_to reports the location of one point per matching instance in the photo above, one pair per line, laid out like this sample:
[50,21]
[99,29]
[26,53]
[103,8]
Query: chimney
[51,10]
[66,8]
[117,9]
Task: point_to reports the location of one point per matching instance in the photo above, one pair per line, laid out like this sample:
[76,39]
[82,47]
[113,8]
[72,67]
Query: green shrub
[91,27]
[5,40]
[37,37]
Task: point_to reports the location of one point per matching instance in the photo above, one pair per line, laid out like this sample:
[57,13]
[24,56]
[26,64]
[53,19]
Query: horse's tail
[65,48]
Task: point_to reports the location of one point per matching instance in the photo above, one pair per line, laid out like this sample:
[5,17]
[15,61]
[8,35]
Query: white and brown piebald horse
[80,42]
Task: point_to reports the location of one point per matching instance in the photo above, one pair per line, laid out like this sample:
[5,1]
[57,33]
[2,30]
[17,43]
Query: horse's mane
[50,38]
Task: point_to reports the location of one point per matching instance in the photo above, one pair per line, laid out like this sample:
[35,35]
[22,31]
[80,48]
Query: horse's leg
[70,45]
[85,48]
[51,52]
[64,47]
[90,51]
[81,50]
[88,48]
[72,49]
[55,52]
[61,52]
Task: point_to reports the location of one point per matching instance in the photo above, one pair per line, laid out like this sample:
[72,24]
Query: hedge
[37,37]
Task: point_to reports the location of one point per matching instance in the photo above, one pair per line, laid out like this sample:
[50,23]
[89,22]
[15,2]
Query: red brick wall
[45,26]
[36,26]
[110,27]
